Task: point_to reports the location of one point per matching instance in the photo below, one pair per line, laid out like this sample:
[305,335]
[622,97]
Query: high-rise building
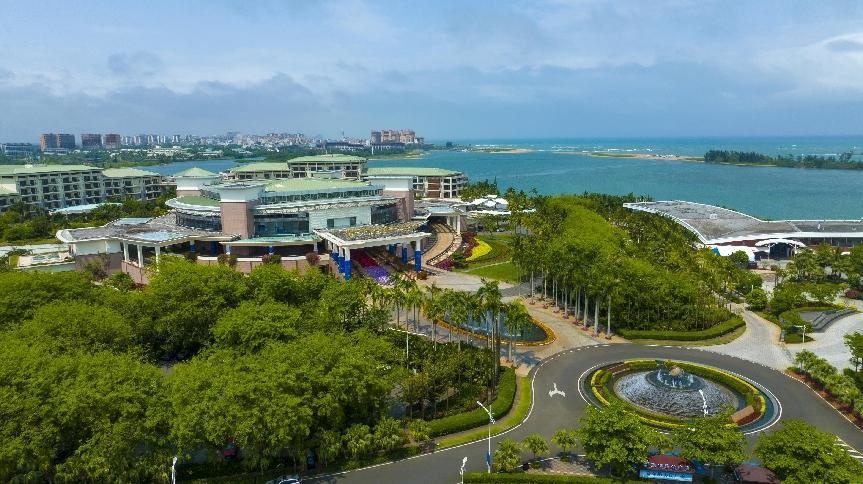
[47,141]
[91,141]
[66,141]
[52,140]
[112,141]
[375,137]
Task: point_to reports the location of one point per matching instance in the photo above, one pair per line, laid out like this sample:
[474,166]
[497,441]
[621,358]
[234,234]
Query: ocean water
[560,166]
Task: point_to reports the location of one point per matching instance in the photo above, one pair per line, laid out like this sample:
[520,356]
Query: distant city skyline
[486,69]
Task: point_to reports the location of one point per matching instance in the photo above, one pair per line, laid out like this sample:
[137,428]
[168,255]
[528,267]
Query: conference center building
[251,220]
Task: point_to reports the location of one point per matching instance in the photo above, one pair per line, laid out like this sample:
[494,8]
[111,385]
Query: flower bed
[479,250]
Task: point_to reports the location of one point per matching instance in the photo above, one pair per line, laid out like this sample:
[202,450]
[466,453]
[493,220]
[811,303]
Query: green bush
[714,331]
[476,418]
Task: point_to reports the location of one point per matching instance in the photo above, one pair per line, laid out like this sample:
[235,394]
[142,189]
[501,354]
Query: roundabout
[664,394]
[558,402]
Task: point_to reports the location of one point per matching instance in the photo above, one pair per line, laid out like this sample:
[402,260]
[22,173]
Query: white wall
[318,218]
[91,247]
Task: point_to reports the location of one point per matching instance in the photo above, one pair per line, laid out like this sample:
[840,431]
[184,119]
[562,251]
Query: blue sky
[557,68]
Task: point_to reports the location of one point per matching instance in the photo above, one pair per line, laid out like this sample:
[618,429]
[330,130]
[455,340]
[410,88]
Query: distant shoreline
[645,156]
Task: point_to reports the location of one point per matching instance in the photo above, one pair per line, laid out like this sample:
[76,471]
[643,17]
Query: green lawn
[504,271]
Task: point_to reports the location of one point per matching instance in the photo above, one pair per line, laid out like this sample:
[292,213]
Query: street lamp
[461,471]
[174,471]
[802,330]
[490,422]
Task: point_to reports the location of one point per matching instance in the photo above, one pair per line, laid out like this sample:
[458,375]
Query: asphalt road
[550,413]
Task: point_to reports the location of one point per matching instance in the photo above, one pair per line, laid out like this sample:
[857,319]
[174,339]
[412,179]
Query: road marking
[851,450]
[555,391]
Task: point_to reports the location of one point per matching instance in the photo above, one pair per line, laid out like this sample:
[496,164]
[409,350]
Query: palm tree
[490,301]
[433,309]
[413,301]
[516,320]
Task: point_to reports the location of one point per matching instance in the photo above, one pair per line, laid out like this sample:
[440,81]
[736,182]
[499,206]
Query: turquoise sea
[560,166]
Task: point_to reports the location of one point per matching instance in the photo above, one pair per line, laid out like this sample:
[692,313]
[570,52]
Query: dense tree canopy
[645,267]
[106,383]
[800,453]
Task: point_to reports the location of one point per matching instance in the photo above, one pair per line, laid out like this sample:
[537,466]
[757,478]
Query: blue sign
[665,475]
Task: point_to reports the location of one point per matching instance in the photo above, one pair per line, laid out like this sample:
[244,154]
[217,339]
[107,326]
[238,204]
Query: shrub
[714,331]
[477,418]
[271,259]
[191,256]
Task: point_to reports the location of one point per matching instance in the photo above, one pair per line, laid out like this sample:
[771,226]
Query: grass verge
[504,271]
[478,477]
[513,418]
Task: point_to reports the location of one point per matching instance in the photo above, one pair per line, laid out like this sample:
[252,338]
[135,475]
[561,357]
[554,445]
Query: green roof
[326,158]
[202,201]
[29,170]
[194,172]
[262,166]
[311,184]
[410,171]
[126,172]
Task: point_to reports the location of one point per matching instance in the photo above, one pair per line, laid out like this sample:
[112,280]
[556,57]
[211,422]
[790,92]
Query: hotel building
[427,182]
[302,167]
[59,186]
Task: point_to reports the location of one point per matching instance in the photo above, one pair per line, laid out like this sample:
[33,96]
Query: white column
[316,247]
[158,250]
[140,256]
[125,251]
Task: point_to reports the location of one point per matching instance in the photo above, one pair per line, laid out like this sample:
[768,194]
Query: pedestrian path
[759,344]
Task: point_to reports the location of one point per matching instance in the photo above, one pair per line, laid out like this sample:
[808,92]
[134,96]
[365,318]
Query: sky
[448,69]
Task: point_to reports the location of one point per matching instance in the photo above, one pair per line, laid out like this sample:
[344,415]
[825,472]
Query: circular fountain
[665,394]
[673,391]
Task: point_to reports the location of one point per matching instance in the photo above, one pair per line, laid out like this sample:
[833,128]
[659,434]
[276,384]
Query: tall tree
[614,437]
[800,453]
[711,440]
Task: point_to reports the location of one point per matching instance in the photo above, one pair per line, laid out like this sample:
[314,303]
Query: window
[340,223]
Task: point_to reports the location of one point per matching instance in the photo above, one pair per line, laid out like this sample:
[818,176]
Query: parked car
[292,479]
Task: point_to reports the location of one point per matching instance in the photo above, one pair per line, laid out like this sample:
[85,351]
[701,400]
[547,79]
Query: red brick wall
[405,203]
[237,218]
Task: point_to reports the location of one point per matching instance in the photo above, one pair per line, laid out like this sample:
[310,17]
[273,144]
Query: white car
[294,479]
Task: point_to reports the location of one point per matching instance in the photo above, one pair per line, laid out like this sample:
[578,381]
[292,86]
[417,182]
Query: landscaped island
[842,161]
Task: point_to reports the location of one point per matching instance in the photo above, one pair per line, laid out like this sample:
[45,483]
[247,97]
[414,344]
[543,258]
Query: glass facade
[268,225]
[384,214]
[205,222]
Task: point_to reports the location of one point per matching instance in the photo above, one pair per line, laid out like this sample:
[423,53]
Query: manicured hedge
[475,418]
[714,331]
[479,477]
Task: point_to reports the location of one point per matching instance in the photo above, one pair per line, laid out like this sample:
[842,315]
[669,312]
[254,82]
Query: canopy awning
[768,242]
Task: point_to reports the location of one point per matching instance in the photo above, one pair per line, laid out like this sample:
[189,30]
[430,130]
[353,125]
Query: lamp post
[461,471]
[490,422]
[174,471]
[802,330]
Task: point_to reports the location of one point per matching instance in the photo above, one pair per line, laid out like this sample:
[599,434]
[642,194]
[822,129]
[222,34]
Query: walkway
[830,344]
[445,244]
[759,344]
